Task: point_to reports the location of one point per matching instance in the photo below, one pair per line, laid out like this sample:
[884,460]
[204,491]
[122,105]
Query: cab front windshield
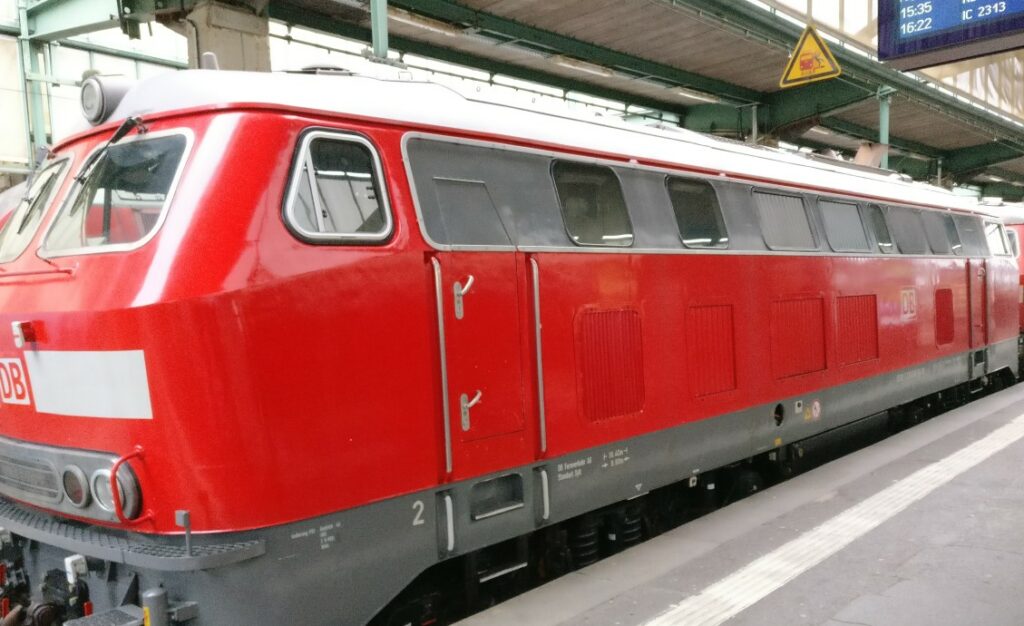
[21,226]
[121,197]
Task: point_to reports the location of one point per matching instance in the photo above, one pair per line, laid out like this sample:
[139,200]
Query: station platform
[925,527]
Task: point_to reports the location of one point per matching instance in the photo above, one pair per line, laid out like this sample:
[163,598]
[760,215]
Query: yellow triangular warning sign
[811,61]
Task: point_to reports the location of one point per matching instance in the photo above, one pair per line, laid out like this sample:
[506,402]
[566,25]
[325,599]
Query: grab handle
[115,490]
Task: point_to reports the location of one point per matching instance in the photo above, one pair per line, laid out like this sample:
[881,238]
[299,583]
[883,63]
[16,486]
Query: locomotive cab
[150,445]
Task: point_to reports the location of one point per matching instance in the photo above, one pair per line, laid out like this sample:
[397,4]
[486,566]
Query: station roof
[708,61]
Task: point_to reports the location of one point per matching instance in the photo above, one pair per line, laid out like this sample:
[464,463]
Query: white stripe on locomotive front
[111,384]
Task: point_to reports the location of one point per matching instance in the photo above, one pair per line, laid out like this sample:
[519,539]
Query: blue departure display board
[928,32]
[920,19]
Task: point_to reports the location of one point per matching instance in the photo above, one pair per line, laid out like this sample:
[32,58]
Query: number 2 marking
[417,506]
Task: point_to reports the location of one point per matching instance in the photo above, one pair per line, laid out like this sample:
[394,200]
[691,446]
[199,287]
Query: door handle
[460,292]
[465,404]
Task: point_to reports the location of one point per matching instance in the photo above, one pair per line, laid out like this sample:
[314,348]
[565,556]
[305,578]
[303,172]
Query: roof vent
[323,69]
[208,61]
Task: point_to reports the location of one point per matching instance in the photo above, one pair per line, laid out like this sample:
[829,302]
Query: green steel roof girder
[1006,191]
[451,12]
[917,169]
[753,21]
[49,20]
[1011,176]
[1010,188]
[978,157]
[870,134]
[305,18]
[720,118]
[792,106]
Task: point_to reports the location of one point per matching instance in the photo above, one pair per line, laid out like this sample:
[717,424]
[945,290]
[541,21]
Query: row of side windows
[595,213]
[490,197]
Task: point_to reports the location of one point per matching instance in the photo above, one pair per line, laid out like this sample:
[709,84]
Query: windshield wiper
[126,127]
[44,192]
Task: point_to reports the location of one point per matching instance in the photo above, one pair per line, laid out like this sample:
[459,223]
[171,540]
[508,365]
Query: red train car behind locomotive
[1013,220]
[283,344]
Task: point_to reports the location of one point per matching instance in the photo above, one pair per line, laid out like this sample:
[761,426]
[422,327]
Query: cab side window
[997,243]
[1014,241]
[336,193]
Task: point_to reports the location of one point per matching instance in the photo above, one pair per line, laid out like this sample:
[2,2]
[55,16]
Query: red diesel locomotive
[283,344]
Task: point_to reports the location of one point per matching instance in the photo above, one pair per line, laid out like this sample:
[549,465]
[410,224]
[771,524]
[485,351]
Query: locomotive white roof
[1010,213]
[425,103]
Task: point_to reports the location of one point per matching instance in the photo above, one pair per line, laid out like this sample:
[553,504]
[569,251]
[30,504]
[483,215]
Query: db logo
[13,382]
[908,303]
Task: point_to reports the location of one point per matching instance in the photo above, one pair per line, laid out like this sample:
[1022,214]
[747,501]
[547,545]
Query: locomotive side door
[477,287]
[977,308]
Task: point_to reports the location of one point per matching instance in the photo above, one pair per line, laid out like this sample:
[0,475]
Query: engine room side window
[698,214]
[28,213]
[120,196]
[879,228]
[784,222]
[952,234]
[468,214]
[908,230]
[941,232]
[593,207]
[972,235]
[996,239]
[336,193]
[843,226]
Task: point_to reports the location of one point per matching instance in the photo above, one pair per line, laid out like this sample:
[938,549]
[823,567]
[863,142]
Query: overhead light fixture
[581,66]
[524,50]
[425,23]
[693,94]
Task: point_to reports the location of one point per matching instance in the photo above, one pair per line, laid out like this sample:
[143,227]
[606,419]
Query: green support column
[754,127]
[24,83]
[884,97]
[379,26]
[29,64]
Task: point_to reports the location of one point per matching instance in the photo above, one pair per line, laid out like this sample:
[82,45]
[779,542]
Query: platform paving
[949,553]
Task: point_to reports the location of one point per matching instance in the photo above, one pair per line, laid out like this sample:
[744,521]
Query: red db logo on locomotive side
[13,382]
